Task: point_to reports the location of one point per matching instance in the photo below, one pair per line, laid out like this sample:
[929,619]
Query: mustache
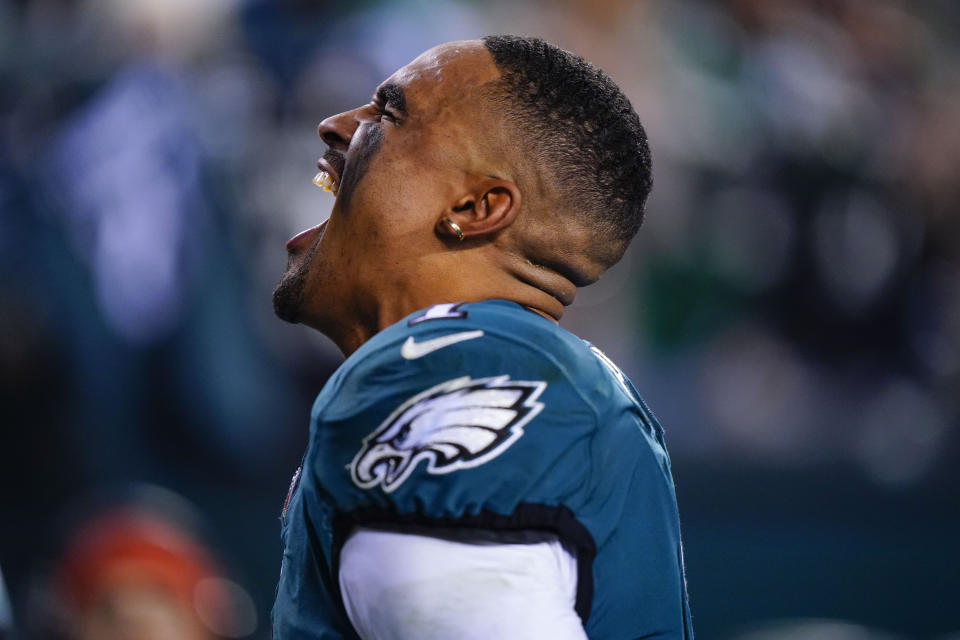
[337,160]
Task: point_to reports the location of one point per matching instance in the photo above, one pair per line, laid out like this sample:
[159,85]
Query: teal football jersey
[488,416]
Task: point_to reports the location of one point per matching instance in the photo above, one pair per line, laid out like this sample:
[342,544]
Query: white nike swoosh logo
[411,349]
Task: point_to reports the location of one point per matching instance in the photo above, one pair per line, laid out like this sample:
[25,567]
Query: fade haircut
[584,131]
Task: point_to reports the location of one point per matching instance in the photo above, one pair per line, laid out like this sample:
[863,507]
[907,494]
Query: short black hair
[579,122]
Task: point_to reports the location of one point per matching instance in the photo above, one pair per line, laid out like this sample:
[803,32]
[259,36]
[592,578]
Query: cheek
[400,188]
[368,141]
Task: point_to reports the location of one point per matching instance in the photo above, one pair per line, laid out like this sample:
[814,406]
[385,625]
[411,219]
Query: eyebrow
[392,95]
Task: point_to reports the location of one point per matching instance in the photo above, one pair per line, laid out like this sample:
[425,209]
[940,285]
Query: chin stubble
[288,294]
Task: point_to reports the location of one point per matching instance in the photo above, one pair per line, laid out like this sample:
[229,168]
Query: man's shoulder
[474,389]
[463,351]
[466,408]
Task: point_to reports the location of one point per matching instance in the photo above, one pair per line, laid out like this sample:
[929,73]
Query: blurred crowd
[792,305]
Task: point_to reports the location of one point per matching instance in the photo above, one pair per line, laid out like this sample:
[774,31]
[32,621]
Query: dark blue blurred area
[791,309]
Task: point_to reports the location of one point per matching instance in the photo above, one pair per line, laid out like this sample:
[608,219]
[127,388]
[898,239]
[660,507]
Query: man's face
[397,162]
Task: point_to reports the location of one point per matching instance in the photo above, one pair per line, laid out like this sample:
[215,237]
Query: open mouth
[328,178]
[326,182]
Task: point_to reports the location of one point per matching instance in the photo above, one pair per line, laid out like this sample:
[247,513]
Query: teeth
[326,182]
[323,180]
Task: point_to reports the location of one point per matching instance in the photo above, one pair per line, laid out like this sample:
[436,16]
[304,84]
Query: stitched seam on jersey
[333,581]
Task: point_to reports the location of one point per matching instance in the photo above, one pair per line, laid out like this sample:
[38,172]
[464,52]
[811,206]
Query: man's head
[535,155]
[583,137]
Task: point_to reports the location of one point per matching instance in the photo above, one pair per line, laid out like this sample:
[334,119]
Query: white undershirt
[400,586]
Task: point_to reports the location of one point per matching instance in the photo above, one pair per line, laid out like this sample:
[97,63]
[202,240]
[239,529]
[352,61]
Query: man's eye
[384,114]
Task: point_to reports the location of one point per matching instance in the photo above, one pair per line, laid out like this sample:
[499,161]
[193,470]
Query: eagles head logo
[457,424]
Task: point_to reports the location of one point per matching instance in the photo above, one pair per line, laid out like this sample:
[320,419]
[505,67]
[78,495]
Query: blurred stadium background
[791,309]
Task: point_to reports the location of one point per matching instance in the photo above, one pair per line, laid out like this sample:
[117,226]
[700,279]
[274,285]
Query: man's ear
[491,205]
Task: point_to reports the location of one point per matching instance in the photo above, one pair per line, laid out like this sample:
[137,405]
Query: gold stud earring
[454,227]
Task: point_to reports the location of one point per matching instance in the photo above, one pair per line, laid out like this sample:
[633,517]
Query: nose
[337,131]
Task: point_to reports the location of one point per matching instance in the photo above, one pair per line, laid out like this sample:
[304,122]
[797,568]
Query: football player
[474,470]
